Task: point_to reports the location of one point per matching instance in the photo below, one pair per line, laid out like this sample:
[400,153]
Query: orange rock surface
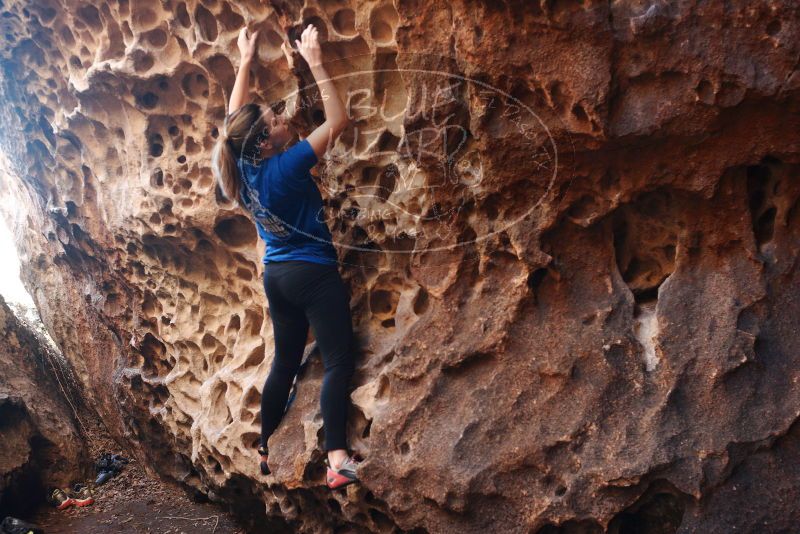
[570,232]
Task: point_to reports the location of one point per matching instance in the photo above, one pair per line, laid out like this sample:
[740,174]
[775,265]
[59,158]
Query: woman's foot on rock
[344,475]
[263,462]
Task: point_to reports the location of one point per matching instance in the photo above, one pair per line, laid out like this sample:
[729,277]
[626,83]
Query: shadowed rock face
[41,444]
[577,310]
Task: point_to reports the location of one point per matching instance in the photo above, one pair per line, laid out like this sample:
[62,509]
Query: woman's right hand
[308,46]
[247,45]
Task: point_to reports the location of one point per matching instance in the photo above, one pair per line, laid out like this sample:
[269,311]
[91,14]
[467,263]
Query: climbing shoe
[81,495]
[263,463]
[344,475]
[103,477]
[109,465]
[60,499]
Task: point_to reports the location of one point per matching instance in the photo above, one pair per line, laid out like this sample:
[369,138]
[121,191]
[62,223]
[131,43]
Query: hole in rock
[244,274]
[421,301]
[209,342]
[360,236]
[580,113]
[492,206]
[705,92]
[762,211]
[142,61]
[764,226]
[535,279]
[314,471]
[166,207]
[382,302]
[251,440]
[773,28]
[645,236]
[252,398]
[381,521]
[153,352]
[183,15]
[369,175]
[335,507]
[645,252]
[91,16]
[206,22]
[252,322]
[387,182]
[658,511]
[148,100]
[47,14]
[344,22]
[214,463]
[157,177]
[383,21]
[320,25]
[293,34]
[468,235]
[274,39]
[237,231]
[143,18]
[388,142]
[156,38]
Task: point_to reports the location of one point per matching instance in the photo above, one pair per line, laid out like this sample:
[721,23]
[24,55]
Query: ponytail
[239,138]
[223,165]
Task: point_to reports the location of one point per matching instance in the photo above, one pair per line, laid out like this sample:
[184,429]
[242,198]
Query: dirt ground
[134,503]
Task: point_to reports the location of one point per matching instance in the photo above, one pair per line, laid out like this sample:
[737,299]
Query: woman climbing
[301,277]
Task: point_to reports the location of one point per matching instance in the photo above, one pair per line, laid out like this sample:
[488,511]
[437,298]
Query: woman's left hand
[247,46]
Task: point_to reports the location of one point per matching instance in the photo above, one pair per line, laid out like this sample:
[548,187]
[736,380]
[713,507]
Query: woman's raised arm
[240,95]
[336,119]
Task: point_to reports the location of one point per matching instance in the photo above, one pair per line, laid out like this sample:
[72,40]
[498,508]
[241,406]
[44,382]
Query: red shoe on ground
[82,495]
[61,500]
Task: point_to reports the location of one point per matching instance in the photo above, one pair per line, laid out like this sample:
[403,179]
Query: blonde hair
[241,133]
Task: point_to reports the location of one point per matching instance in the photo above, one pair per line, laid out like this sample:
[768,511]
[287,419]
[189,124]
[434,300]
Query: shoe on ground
[81,495]
[61,499]
[104,477]
[344,475]
[263,462]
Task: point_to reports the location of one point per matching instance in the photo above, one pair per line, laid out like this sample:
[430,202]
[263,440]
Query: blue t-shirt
[287,206]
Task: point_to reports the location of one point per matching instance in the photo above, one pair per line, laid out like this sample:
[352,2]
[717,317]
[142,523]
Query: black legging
[300,293]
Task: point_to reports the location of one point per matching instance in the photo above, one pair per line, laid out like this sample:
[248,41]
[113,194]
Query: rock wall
[42,445]
[570,231]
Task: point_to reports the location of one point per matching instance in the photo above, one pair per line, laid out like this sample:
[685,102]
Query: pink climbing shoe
[346,474]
